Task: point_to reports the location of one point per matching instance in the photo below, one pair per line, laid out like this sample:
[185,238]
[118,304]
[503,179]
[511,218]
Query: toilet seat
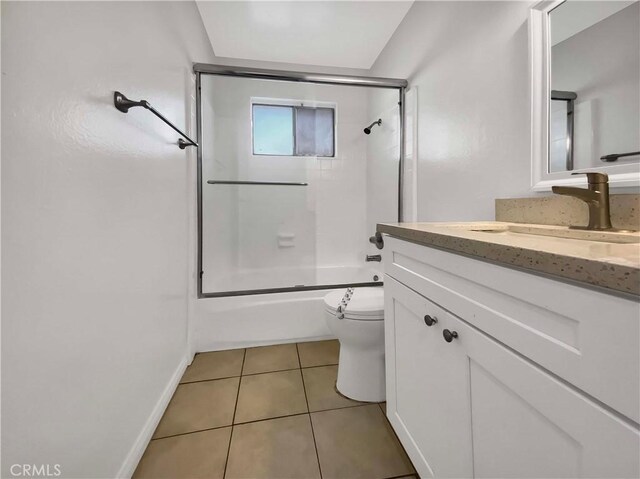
[364,304]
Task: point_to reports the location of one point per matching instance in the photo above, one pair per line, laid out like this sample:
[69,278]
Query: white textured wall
[469,61]
[94,225]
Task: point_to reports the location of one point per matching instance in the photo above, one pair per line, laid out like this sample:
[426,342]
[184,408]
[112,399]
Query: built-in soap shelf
[286,240]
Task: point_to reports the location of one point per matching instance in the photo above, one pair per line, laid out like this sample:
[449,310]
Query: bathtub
[262,319]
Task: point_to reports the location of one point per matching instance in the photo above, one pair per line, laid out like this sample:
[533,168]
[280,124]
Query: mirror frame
[540,82]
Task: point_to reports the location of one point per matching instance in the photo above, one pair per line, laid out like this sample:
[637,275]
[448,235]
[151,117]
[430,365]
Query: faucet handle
[593,177]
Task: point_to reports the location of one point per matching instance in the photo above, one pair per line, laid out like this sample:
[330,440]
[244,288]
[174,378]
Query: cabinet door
[427,386]
[527,423]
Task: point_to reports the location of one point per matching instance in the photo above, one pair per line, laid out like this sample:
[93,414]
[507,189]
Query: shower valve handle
[377,240]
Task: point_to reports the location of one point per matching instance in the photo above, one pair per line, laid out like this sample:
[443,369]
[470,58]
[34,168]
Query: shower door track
[200,69]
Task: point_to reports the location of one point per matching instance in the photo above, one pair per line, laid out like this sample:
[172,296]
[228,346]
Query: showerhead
[378,122]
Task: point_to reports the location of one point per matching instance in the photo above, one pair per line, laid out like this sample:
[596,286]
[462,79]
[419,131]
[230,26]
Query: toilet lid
[365,303]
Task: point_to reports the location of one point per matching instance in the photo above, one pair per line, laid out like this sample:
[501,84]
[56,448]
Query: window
[286,130]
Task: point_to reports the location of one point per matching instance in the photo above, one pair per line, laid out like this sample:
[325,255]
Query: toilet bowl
[356,318]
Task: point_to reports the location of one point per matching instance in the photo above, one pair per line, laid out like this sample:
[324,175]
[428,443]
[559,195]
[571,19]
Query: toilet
[356,317]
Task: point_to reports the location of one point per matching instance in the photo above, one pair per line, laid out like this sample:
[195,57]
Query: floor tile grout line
[233,419]
[257,420]
[189,432]
[207,380]
[235,408]
[320,366]
[270,418]
[244,352]
[313,434]
[275,370]
[290,369]
[315,444]
[256,374]
[341,407]
[298,354]
[304,389]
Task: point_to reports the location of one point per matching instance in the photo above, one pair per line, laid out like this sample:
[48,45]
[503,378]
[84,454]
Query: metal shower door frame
[291,76]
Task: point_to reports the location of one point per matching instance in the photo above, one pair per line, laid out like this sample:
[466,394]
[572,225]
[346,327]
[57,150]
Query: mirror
[585,91]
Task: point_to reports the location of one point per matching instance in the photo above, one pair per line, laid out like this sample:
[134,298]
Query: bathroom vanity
[509,354]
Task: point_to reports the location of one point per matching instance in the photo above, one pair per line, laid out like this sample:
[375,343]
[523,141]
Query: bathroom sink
[612,236]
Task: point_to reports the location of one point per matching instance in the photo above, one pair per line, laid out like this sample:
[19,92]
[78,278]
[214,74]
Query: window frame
[294,105]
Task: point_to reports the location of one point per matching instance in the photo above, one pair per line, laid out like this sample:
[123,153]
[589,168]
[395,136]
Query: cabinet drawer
[589,338]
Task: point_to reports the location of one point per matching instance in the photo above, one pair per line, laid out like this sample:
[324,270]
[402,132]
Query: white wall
[469,61]
[94,223]
[602,65]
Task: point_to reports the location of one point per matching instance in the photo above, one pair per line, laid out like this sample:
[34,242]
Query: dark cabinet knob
[430,320]
[449,335]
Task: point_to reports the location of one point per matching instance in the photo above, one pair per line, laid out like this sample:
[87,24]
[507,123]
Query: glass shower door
[265,241]
[284,186]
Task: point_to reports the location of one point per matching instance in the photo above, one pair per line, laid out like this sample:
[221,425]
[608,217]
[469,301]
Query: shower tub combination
[230,322]
[289,191]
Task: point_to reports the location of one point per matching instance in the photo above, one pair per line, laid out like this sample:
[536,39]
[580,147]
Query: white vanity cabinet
[481,405]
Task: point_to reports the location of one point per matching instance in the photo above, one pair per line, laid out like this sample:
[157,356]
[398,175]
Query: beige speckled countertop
[605,264]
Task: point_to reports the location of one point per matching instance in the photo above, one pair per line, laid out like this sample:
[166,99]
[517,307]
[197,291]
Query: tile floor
[271,413]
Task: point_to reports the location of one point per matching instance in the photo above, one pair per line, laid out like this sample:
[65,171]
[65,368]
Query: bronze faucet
[597,198]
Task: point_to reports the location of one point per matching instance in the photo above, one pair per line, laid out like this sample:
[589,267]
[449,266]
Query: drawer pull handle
[430,320]
[449,335]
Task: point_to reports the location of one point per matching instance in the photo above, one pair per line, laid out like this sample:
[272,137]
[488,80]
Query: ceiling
[574,16]
[326,33]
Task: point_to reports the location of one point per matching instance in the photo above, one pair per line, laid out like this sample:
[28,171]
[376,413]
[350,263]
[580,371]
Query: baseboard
[223,346]
[142,441]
